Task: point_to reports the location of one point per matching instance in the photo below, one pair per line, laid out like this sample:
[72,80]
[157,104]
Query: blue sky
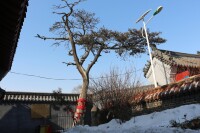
[179,23]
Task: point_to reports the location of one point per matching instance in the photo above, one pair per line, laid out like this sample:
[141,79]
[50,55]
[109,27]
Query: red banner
[182,75]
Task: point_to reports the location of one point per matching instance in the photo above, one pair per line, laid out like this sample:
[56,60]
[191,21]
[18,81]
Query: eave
[12,16]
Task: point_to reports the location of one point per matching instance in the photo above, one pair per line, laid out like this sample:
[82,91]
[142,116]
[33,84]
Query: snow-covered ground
[157,122]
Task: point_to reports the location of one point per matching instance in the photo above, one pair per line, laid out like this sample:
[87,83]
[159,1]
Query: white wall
[162,73]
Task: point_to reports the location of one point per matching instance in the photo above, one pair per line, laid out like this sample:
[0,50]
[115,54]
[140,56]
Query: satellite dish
[143,16]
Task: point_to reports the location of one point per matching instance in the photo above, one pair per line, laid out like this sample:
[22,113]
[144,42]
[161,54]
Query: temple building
[171,66]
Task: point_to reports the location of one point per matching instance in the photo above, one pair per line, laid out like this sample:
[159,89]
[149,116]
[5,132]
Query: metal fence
[63,121]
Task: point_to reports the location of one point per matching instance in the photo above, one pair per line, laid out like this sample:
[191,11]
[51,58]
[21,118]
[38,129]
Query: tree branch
[59,13]
[70,53]
[87,52]
[58,7]
[65,19]
[71,6]
[95,58]
[69,63]
[51,38]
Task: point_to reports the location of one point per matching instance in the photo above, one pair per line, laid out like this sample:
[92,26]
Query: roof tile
[183,87]
[36,97]
[174,58]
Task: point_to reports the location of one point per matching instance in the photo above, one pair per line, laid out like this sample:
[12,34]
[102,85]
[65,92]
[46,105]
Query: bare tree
[77,90]
[113,92]
[78,30]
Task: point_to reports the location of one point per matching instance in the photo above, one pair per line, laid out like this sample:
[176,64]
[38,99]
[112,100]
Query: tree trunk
[81,102]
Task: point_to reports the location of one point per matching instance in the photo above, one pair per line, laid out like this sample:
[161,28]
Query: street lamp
[147,39]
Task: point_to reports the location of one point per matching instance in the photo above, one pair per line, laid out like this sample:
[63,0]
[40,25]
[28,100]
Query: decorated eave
[2,93]
[172,58]
[12,16]
[31,97]
[187,86]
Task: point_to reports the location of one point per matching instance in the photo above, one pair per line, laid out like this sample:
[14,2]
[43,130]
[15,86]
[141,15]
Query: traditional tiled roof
[12,16]
[172,58]
[2,93]
[183,87]
[36,97]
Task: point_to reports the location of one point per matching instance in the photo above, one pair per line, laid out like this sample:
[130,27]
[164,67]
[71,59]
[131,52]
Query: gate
[62,121]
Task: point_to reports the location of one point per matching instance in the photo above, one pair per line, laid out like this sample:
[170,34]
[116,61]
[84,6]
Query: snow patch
[155,122]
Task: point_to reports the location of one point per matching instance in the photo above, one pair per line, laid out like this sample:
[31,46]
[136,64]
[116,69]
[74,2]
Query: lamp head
[158,10]
[143,16]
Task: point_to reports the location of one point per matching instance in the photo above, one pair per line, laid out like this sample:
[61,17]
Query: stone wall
[16,118]
[165,103]
[18,113]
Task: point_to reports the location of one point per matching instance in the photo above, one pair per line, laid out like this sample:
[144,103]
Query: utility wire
[49,78]
[42,77]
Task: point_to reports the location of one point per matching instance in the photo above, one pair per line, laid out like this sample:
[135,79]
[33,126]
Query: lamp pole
[147,39]
[148,45]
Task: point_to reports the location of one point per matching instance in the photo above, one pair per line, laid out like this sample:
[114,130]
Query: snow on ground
[156,122]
